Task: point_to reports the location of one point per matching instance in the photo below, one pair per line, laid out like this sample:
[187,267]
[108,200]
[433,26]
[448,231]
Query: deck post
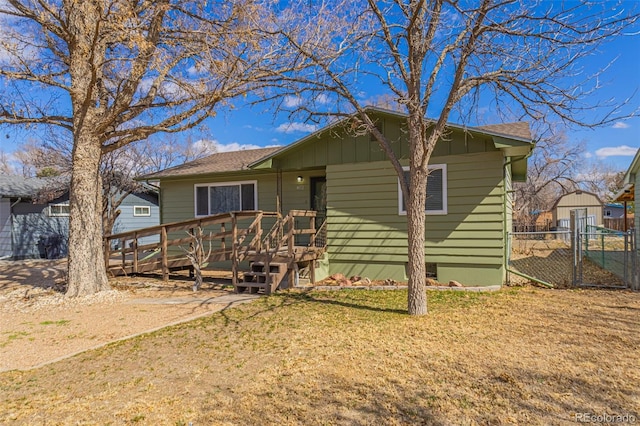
[234,250]
[222,242]
[135,253]
[291,251]
[258,249]
[165,260]
[107,253]
[312,269]
[123,243]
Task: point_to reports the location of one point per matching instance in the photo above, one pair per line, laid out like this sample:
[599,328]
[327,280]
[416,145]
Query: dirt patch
[38,324]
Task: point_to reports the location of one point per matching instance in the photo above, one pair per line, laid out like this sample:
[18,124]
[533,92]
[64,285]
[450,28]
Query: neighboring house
[561,210]
[631,190]
[613,211]
[139,210]
[30,228]
[349,180]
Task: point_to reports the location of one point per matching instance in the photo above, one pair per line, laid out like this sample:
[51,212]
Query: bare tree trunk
[87,272]
[416,202]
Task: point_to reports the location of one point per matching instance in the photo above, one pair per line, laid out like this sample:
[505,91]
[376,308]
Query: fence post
[635,270]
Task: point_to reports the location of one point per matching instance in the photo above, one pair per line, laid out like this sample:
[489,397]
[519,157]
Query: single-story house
[631,190]
[33,228]
[561,210]
[348,179]
[29,229]
[613,211]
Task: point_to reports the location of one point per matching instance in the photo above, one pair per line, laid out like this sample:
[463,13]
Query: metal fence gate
[581,256]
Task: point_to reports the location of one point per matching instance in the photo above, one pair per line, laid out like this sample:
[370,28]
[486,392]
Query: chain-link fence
[545,257]
[611,251]
[598,257]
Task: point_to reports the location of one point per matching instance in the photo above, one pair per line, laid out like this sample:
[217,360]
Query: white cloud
[322,99]
[620,125]
[612,151]
[210,146]
[292,101]
[588,155]
[274,140]
[296,127]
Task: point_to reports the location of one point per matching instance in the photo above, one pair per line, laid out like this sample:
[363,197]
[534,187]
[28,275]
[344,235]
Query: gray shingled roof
[518,129]
[20,187]
[215,163]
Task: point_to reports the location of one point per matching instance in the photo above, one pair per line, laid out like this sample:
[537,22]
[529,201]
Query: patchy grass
[11,336]
[59,322]
[519,356]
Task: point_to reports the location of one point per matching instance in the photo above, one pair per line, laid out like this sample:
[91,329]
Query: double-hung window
[225,197]
[141,211]
[436,191]
[59,210]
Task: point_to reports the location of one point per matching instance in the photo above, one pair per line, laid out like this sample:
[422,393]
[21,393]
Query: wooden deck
[233,237]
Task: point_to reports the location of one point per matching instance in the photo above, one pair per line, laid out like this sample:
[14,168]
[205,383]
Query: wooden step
[260,277]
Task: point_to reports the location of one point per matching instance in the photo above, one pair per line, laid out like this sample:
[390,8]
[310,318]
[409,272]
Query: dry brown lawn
[518,356]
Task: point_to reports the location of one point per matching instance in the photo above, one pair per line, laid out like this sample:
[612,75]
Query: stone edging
[399,287]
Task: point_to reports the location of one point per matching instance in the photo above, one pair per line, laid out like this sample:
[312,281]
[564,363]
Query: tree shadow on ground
[34,273]
[323,298]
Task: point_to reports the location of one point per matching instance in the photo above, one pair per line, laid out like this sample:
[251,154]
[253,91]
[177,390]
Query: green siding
[637,207]
[178,194]
[334,147]
[366,234]
[365,227]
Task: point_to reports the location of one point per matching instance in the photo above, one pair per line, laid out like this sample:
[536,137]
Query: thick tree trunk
[87,272]
[417,297]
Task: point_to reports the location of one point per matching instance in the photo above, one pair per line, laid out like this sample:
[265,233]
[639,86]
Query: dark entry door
[319,198]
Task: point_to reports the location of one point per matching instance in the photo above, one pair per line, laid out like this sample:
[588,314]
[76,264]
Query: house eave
[518,145]
[627,193]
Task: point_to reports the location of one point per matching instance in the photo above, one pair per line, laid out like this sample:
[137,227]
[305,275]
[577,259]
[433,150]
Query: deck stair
[259,278]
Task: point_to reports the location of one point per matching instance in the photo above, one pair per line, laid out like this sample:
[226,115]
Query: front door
[319,198]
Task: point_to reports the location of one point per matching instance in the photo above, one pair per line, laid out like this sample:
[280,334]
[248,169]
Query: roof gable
[514,138]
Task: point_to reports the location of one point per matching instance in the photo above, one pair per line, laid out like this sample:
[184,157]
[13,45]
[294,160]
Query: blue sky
[614,144]
[257,126]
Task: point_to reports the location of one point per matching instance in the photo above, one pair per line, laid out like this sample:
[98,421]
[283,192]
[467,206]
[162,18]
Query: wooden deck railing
[236,236]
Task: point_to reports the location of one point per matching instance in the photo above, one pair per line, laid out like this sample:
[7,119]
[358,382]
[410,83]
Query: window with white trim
[215,198]
[436,190]
[59,210]
[141,211]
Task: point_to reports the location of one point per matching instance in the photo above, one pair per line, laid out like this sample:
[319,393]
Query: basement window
[216,198]
[431,269]
[436,203]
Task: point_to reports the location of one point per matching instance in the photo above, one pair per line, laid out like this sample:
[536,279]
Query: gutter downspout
[157,187]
